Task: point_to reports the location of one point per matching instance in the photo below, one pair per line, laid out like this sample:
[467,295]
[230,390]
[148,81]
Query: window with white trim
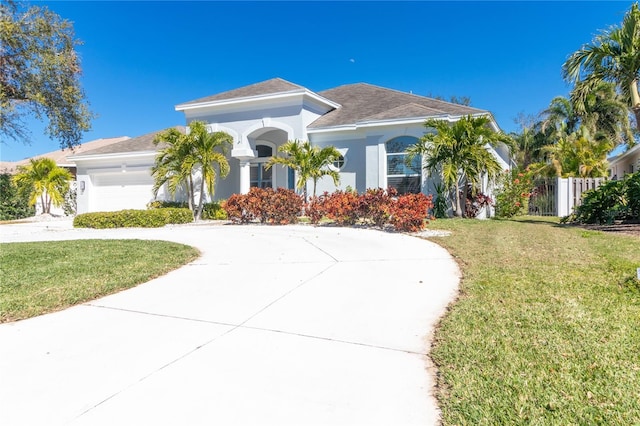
[405,178]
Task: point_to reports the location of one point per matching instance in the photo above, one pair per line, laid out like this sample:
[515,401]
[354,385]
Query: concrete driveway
[292,325]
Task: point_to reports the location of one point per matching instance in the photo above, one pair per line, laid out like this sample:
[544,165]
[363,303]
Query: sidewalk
[292,325]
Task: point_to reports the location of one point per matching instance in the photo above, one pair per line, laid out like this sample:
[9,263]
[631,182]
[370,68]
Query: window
[405,178]
[339,163]
[259,176]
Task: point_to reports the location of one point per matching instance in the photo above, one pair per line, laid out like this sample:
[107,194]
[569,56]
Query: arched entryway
[263,143]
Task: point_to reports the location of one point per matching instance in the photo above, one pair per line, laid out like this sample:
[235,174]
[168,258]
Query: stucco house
[371,126]
[626,163]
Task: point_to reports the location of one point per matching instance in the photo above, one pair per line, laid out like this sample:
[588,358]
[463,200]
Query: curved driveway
[292,325]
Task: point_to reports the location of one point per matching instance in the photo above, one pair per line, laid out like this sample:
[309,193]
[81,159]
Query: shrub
[342,207]
[633,195]
[512,199]
[210,211]
[440,204]
[213,211]
[375,205]
[236,209]
[265,205]
[615,200]
[161,204]
[13,204]
[314,209]
[133,218]
[475,203]
[282,206]
[410,212]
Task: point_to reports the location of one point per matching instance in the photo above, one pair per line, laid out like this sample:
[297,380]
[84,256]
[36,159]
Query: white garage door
[119,191]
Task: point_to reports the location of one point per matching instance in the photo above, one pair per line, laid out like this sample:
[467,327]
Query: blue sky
[140,59]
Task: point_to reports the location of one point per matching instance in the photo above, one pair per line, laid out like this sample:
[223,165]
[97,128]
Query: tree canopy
[40,75]
[309,162]
[458,152]
[184,156]
[43,179]
[612,56]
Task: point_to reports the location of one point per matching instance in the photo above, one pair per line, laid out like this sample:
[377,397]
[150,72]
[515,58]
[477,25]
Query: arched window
[406,178]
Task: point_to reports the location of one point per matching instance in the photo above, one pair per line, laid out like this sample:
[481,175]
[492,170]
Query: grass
[546,329]
[41,277]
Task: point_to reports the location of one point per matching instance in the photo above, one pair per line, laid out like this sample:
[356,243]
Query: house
[625,163]
[371,126]
[62,159]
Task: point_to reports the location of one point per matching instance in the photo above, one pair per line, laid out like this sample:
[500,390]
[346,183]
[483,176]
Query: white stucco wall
[114,181]
[625,163]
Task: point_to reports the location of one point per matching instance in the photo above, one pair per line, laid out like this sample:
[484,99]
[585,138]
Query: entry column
[245,176]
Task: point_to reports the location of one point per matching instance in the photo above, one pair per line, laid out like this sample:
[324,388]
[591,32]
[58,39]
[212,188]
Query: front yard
[41,277]
[546,329]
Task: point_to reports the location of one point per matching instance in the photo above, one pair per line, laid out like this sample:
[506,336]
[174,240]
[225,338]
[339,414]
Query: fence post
[563,197]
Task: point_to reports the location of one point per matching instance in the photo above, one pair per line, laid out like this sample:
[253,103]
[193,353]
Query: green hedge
[210,211]
[133,218]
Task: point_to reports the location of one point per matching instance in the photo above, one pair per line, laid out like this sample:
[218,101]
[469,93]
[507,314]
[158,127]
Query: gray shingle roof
[141,143]
[364,102]
[275,85]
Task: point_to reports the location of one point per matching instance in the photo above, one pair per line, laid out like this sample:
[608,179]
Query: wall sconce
[82,183]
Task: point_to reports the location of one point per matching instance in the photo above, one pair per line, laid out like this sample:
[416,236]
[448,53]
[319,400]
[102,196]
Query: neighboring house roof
[137,144]
[61,156]
[363,102]
[269,87]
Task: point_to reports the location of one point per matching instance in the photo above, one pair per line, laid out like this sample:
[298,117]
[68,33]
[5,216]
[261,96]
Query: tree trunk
[458,212]
[190,195]
[200,201]
[635,101]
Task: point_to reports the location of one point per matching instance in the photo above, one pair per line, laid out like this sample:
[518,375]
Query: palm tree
[186,154]
[209,152]
[43,179]
[309,162]
[459,153]
[169,167]
[602,110]
[578,154]
[613,56]
[560,118]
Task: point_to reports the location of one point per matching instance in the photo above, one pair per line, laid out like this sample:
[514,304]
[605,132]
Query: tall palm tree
[602,110]
[309,162]
[560,117]
[186,154]
[169,167]
[43,179]
[209,152]
[459,153]
[613,56]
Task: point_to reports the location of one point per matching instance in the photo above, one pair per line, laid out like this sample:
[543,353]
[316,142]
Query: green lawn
[546,329]
[41,277]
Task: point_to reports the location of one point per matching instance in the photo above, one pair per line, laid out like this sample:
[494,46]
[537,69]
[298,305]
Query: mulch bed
[621,228]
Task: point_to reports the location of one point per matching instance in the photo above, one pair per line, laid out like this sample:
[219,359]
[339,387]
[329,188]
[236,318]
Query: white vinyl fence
[560,196]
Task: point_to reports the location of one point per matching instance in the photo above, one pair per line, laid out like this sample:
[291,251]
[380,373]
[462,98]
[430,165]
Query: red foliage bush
[406,212]
[375,205]
[282,206]
[314,209]
[410,212]
[264,204]
[341,206]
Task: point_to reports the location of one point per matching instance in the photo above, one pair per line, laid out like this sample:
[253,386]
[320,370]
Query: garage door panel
[112,192]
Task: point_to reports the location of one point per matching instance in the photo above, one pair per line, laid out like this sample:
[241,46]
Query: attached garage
[119,191]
